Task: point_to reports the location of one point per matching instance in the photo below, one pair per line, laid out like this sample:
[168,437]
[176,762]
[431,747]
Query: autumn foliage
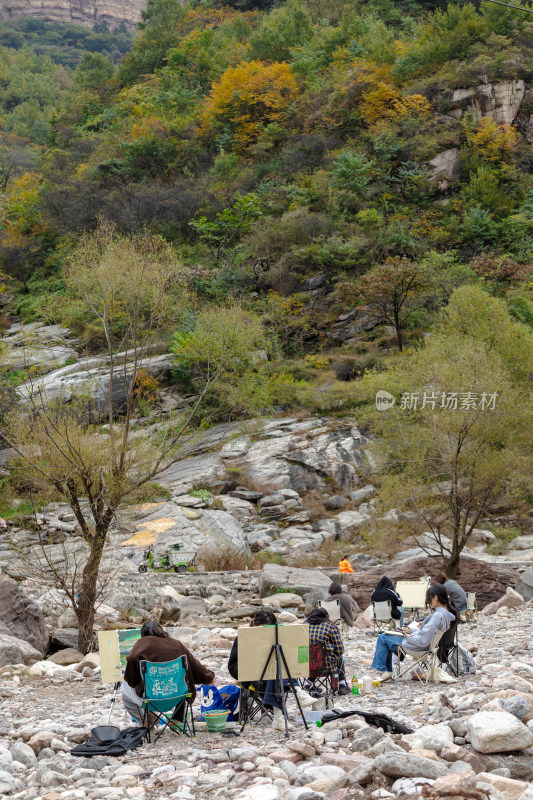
[495,143]
[249,97]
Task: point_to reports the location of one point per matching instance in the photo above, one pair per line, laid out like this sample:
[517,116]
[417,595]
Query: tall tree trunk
[452,563]
[87,600]
[397,325]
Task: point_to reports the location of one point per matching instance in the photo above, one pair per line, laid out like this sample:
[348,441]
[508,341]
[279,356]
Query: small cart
[181,562]
[172,560]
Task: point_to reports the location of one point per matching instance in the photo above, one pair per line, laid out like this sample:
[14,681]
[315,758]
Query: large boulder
[165,524]
[489,581]
[498,732]
[20,617]
[92,375]
[445,168]
[302,581]
[17,651]
[525,584]
[498,101]
[510,599]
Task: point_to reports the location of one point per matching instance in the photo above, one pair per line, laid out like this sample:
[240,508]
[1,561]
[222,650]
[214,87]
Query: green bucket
[216,721]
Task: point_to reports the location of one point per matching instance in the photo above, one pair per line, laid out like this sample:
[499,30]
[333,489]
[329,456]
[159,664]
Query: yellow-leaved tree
[247,98]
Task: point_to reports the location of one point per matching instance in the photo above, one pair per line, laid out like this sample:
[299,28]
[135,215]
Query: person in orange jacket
[344,565]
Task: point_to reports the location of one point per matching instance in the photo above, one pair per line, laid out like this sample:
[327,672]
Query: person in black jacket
[385,591]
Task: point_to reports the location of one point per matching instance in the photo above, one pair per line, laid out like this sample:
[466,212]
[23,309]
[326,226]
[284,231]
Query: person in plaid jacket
[322,630]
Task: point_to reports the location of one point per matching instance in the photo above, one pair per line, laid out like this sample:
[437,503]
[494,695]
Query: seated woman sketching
[323,631]
[157,646]
[271,700]
[444,616]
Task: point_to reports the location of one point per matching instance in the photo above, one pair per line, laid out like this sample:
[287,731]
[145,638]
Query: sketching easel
[112,660]
[276,666]
[413,594]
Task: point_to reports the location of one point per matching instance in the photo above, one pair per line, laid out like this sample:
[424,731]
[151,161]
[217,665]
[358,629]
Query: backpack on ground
[129,739]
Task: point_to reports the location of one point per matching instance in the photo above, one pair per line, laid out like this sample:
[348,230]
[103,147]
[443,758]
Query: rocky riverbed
[472,738]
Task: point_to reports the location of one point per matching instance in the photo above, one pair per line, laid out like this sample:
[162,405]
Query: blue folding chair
[167,695]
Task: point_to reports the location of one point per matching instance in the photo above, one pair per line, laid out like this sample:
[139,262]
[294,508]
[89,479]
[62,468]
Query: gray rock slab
[406,765]
[498,732]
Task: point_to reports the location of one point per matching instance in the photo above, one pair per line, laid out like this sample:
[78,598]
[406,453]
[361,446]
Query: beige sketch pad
[413,593]
[254,646]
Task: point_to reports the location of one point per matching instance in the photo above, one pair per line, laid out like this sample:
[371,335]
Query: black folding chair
[448,650]
[319,683]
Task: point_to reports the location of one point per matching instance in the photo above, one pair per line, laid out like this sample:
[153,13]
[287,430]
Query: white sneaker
[305,698]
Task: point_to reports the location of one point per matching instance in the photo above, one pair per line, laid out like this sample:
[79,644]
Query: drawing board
[254,645]
[114,647]
[413,593]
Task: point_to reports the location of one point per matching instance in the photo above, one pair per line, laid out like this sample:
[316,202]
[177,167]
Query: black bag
[377,720]
[129,739]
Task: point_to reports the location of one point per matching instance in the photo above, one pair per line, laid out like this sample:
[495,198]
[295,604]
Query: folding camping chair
[471,607]
[425,659]
[382,616]
[167,696]
[448,650]
[333,608]
[318,684]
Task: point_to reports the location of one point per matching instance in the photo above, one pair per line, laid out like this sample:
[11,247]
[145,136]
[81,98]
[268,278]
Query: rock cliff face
[81,12]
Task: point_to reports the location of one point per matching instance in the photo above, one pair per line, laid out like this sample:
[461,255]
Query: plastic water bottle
[355,685]
[335,680]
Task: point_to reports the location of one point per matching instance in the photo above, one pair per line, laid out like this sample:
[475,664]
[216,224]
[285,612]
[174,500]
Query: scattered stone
[23,753]
[66,657]
[517,706]
[508,787]
[498,732]
[406,765]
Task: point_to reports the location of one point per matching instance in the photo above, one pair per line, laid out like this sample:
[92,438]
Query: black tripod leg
[246,719]
[280,688]
[289,676]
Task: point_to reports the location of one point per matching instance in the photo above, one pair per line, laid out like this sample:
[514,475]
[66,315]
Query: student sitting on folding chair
[456,593]
[384,593]
[166,697]
[444,616]
[323,631]
[382,616]
[347,604]
[423,661]
[259,698]
[156,646]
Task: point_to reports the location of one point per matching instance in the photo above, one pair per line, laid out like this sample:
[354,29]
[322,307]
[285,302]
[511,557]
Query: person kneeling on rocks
[444,616]
[271,700]
[156,645]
